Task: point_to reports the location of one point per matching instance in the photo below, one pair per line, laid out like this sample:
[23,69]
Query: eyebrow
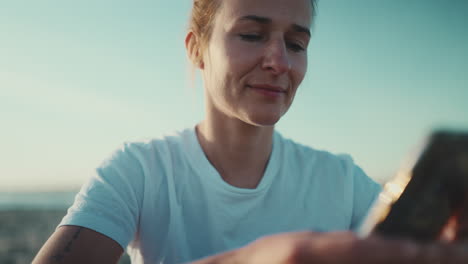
[266,21]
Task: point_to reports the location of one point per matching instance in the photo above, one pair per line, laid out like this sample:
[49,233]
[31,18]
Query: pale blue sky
[78,78]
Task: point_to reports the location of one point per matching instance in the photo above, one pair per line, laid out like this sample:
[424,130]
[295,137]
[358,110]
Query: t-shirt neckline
[210,175]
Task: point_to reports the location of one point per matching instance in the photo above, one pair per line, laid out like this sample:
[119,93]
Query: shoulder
[300,153]
[144,151]
[143,162]
[338,168]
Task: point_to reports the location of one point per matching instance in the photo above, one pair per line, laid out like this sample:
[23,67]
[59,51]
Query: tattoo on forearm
[58,258]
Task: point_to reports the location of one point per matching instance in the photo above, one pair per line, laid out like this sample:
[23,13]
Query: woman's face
[256,58]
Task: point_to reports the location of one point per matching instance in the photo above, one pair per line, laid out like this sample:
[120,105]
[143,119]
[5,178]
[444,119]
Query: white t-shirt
[167,203]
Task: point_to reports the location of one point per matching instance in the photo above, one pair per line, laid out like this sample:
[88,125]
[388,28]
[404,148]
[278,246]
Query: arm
[109,202]
[75,244]
[338,248]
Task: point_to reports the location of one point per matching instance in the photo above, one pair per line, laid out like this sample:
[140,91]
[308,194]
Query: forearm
[229,257]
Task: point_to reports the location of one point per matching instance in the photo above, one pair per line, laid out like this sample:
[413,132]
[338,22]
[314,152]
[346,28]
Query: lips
[269,88]
[271,92]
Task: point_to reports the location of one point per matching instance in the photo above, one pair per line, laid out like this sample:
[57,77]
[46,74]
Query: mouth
[269,91]
[268,87]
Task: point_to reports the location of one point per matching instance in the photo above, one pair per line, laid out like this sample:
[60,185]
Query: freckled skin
[232,62]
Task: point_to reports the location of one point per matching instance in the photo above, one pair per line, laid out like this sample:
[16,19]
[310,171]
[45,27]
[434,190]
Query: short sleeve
[110,201]
[365,193]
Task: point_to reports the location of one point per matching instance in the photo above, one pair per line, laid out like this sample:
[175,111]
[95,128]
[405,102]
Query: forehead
[286,12]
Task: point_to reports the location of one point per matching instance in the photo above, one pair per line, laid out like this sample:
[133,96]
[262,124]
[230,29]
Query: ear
[192,46]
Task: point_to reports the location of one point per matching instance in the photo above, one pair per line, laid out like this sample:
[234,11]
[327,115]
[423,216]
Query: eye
[295,47]
[250,37]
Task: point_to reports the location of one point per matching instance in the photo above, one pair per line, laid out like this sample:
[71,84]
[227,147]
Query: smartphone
[418,203]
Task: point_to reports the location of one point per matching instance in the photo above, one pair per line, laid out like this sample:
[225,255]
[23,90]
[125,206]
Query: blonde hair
[201,23]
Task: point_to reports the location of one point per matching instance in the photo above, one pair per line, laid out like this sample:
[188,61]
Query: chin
[264,120]
[261,115]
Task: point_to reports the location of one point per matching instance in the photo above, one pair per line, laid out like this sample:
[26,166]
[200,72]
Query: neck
[239,151]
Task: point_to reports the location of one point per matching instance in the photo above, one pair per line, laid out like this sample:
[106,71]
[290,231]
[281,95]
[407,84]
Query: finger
[379,250]
[457,253]
[443,253]
[349,249]
[448,233]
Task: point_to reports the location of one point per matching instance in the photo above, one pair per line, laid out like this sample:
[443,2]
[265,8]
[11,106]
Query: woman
[211,192]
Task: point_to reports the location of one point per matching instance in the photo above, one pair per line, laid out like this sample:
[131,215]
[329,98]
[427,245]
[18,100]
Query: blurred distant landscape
[23,232]
[25,226]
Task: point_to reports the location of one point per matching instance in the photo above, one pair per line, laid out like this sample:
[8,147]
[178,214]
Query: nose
[276,59]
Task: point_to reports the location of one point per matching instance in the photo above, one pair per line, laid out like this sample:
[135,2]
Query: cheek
[299,71]
[215,66]
[240,57]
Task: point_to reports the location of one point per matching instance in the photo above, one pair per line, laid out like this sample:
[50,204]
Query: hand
[345,247]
